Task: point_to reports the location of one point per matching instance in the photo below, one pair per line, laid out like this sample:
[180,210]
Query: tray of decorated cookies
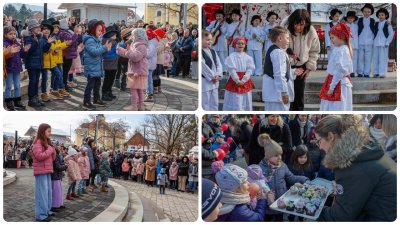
[305,200]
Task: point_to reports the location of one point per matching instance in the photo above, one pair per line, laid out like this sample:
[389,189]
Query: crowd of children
[352,46]
[246,187]
[119,55]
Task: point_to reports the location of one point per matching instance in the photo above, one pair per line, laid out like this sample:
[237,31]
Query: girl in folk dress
[240,66]
[278,86]
[255,34]
[336,93]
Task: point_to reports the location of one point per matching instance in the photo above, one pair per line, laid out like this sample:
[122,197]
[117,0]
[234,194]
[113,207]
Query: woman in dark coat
[279,132]
[298,130]
[366,178]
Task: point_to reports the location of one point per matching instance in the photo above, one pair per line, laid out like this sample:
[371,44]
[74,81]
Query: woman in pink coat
[140,170]
[73,172]
[84,167]
[43,155]
[138,66]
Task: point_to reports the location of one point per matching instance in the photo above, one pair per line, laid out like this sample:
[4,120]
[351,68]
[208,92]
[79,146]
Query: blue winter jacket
[90,155]
[34,57]
[93,56]
[243,213]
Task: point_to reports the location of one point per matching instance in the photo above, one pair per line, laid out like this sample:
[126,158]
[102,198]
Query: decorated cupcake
[290,206]
[298,185]
[310,209]
[294,190]
[316,202]
[300,207]
[302,189]
[281,203]
[308,194]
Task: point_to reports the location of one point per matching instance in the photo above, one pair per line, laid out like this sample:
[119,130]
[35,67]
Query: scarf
[230,199]
[378,134]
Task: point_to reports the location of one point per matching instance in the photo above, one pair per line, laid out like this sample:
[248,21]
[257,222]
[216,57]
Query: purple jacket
[243,213]
[14,64]
[72,51]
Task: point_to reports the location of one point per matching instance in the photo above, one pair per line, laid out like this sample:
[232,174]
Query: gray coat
[368,177]
[162,179]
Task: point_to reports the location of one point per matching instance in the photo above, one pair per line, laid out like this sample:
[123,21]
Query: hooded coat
[368,178]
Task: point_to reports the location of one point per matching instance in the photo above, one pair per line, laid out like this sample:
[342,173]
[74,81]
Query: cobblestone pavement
[19,205]
[177,206]
[178,94]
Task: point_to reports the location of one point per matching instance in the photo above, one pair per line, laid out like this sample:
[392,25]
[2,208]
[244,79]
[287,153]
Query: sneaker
[149,98]
[89,106]
[64,93]
[99,102]
[56,95]
[45,97]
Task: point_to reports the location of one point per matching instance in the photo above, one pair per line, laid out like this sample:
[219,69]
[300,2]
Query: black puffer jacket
[59,167]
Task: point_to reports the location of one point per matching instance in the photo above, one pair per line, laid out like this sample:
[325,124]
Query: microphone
[290,52]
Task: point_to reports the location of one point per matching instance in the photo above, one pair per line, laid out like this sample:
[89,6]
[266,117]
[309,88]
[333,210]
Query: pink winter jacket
[84,166]
[73,172]
[140,168]
[173,172]
[137,54]
[42,159]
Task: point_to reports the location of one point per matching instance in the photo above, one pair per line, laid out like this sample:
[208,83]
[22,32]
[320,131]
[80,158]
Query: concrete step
[259,106]
[135,209]
[315,83]
[359,97]
[152,213]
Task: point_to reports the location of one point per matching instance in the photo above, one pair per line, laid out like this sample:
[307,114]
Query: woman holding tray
[365,177]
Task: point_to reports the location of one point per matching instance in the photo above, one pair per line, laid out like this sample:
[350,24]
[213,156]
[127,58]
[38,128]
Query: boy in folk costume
[234,30]
[351,21]
[334,17]
[240,66]
[255,34]
[211,74]
[271,18]
[366,26]
[383,37]
[220,47]
[278,87]
[336,93]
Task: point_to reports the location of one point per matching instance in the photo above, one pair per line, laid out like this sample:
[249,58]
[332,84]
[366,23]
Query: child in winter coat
[59,166]
[84,167]
[277,174]
[73,173]
[162,180]
[76,67]
[110,63]
[160,61]
[300,163]
[120,79]
[383,33]
[13,67]
[193,175]
[278,86]
[168,58]
[151,59]
[173,175]
[125,169]
[137,69]
[140,170]
[235,197]
[104,171]
[35,45]
[93,62]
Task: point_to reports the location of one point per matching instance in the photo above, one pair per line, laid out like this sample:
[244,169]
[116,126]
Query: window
[158,13]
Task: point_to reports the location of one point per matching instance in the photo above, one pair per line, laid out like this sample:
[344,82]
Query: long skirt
[237,102]
[43,196]
[345,104]
[57,194]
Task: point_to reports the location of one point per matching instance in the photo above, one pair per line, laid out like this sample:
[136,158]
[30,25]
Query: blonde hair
[348,43]
[275,32]
[242,188]
[389,124]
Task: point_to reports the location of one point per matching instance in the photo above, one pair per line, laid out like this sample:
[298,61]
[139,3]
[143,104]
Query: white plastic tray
[295,198]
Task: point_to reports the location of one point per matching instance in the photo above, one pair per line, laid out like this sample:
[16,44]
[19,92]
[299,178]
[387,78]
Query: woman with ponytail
[365,178]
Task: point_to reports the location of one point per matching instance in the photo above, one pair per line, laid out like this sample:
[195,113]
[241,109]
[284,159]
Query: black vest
[331,24]
[269,69]
[208,60]
[361,25]
[385,29]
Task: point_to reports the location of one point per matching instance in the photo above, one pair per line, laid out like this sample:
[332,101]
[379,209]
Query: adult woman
[150,171]
[304,42]
[43,155]
[367,176]
[375,128]
[298,129]
[279,132]
[183,172]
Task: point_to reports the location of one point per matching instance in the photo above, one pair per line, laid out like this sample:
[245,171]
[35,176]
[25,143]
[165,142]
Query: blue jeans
[44,81]
[56,79]
[43,196]
[193,185]
[174,66]
[33,86]
[93,84]
[150,82]
[12,79]
[71,188]
[81,185]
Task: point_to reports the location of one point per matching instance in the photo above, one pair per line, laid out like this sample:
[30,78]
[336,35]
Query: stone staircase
[369,94]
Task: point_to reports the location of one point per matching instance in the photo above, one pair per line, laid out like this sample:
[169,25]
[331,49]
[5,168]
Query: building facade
[169,12]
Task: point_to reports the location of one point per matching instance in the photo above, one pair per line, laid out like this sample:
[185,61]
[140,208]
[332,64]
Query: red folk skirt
[336,96]
[233,87]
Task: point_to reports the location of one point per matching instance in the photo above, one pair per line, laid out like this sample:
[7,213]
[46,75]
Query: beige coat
[150,170]
[160,51]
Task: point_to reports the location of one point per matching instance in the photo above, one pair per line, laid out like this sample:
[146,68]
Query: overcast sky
[62,121]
